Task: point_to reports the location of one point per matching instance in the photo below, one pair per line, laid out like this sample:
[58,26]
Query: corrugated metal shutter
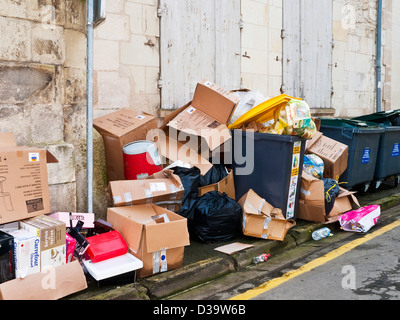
[199,39]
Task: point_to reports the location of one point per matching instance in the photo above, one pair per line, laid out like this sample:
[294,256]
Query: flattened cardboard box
[333,153]
[65,280]
[118,129]
[162,186]
[154,235]
[24,189]
[262,220]
[207,115]
[312,201]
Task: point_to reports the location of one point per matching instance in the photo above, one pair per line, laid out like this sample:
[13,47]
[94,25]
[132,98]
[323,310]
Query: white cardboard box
[26,253]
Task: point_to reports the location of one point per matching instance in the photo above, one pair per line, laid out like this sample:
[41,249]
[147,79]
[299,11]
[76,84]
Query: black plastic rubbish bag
[190,178]
[331,189]
[214,175]
[215,218]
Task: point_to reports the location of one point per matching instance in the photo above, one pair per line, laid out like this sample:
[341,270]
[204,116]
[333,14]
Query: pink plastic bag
[360,220]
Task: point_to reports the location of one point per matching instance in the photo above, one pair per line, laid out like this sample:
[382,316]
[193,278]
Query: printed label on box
[34,157]
[34,205]
[158,186]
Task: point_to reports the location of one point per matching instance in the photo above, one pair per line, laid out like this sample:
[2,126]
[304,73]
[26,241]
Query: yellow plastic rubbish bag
[266,111]
[294,119]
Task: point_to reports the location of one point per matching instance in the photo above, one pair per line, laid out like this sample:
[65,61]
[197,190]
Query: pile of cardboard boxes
[33,245]
[189,136]
[144,232]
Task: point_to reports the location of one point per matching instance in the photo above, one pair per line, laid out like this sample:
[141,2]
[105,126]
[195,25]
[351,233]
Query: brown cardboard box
[262,220]
[312,201]
[333,153]
[61,282]
[155,235]
[52,234]
[172,150]
[226,185]
[206,115]
[162,186]
[118,129]
[24,190]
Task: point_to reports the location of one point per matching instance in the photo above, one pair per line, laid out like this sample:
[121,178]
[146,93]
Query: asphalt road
[347,266]
[370,271]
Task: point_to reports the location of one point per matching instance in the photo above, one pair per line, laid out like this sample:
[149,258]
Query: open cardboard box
[333,153]
[206,116]
[53,284]
[118,129]
[24,189]
[226,185]
[172,150]
[154,235]
[312,201]
[262,220]
[161,186]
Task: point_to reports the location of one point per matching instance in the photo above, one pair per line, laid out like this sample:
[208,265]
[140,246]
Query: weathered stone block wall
[353,60]
[127,59]
[43,88]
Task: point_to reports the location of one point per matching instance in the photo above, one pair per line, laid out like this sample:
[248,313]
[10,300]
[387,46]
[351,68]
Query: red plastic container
[106,245]
[141,160]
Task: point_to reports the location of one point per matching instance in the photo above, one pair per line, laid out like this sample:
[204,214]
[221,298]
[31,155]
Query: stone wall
[43,88]
[354,53]
[126,61]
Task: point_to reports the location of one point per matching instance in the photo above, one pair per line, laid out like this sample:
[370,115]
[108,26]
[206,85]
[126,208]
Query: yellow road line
[313,264]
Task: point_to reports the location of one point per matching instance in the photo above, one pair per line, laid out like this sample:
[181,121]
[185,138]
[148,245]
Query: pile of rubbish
[168,185]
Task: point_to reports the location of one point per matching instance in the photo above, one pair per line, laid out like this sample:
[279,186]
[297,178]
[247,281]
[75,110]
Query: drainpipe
[379,57]
[89,106]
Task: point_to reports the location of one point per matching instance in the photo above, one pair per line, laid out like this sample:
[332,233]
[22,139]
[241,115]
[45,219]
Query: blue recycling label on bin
[366,155]
[395,150]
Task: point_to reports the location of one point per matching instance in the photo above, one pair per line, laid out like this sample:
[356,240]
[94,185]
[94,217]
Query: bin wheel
[377,184]
[396,182]
[366,187]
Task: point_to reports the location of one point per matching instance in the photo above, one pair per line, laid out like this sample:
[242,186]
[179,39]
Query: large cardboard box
[333,153]
[154,235]
[262,220]
[24,189]
[161,186]
[207,115]
[118,129]
[312,201]
[50,285]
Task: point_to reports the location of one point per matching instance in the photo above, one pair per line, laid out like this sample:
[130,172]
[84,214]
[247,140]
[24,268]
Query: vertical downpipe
[89,106]
[379,57]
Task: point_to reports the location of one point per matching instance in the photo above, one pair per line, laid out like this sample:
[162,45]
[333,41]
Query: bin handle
[347,135]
